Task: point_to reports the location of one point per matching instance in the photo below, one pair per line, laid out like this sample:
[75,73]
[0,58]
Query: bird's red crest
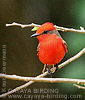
[45,27]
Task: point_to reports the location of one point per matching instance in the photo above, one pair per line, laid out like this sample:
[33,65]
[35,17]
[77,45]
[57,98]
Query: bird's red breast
[51,49]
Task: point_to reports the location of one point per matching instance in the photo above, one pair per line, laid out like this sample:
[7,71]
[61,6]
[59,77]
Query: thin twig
[78,86]
[47,80]
[22,26]
[44,74]
[72,58]
[57,27]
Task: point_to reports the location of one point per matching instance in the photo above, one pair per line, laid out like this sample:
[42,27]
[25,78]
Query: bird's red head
[44,28]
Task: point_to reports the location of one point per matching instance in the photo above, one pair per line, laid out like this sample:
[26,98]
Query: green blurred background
[21,52]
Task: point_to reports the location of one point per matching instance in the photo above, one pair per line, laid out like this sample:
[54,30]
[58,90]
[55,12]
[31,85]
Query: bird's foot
[56,66]
[50,69]
[44,69]
[49,72]
[53,69]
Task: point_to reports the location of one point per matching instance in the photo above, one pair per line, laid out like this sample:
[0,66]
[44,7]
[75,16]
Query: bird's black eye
[45,31]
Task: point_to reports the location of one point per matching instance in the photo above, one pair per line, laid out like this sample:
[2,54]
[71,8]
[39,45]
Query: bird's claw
[49,72]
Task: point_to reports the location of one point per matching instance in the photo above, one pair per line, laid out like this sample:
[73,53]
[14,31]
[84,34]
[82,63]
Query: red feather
[46,26]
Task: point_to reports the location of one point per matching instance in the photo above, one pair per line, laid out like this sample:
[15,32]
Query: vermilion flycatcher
[52,47]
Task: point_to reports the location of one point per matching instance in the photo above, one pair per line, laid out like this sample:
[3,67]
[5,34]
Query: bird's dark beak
[35,35]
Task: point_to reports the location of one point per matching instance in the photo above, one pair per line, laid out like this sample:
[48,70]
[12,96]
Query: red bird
[52,47]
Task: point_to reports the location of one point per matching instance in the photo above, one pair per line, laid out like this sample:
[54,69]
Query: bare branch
[80,87]
[47,80]
[21,25]
[22,86]
[57,27]
[44,74]
[72,58]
